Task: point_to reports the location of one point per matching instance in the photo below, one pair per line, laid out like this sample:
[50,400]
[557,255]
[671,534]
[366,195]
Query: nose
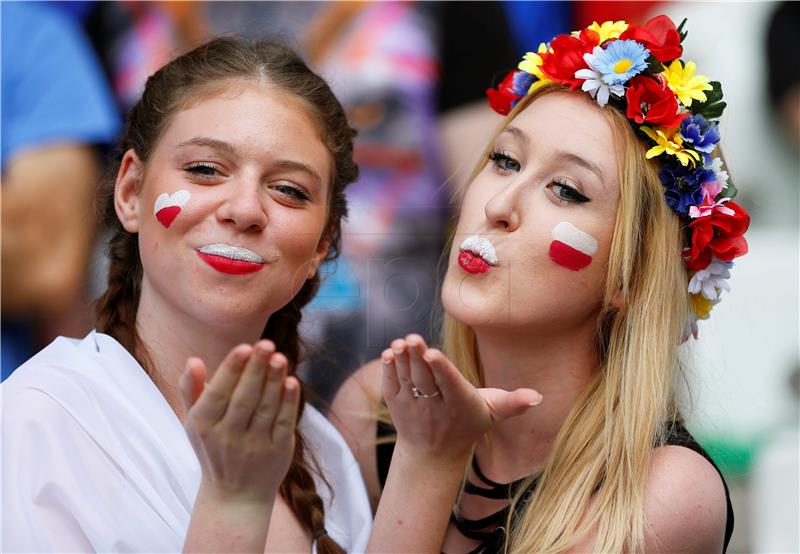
[502,209]
[244,206]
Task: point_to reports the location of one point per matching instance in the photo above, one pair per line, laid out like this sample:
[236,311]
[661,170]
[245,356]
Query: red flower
[567,57]
[658,35]
[719,234]
[502,98]
[651,100]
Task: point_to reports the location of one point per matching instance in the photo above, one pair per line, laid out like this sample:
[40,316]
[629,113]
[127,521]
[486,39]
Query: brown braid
[186,79]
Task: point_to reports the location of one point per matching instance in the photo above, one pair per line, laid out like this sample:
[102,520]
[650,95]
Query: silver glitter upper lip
[232,252]
[481,246]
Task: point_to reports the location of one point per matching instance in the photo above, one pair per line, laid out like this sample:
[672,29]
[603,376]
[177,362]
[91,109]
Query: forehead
[256,119]
[568,122]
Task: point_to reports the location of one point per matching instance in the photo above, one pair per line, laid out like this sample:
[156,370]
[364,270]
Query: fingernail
[536,401]
[275,363]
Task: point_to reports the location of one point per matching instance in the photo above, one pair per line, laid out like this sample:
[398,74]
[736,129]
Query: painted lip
[232,260]
[477,254]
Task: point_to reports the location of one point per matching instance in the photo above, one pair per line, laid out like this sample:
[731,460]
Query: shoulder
[354,413]
[356,403]
[684,503]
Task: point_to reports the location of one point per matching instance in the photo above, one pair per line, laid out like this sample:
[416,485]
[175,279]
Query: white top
[95,460]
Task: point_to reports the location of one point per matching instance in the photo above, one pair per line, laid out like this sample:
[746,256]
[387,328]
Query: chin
[473,306]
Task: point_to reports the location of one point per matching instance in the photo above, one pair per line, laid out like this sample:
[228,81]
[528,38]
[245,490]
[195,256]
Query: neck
[559,366]
[171,336]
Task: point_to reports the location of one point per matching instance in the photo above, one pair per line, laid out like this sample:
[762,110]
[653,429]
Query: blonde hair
[596,470]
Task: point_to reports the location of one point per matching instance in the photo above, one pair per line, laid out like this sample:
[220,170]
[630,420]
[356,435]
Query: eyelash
[197,170]
[500,160]
[295,193]
[572,194]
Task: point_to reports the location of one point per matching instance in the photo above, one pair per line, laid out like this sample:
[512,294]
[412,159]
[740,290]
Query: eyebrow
[226,147]
[562,155]
[586,164]
[231,150]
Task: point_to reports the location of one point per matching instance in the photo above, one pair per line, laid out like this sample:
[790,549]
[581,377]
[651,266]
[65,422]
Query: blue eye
[565,193]
[504,162]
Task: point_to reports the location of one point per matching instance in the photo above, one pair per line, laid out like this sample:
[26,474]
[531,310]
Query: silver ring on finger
[416,393]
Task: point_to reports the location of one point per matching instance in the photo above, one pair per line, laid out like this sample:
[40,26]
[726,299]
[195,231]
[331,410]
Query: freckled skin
[240,206]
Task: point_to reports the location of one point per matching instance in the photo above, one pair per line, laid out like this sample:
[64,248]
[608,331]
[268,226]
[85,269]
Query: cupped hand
[241,422]
[438,414]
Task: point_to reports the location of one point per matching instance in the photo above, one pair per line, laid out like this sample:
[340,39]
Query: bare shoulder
[684,503]
[358,398]
[354,413]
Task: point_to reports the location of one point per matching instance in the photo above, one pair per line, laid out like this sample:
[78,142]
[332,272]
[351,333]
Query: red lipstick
[229,266]
[471,263]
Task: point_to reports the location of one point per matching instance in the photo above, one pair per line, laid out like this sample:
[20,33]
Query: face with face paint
[230,208]
[536,224]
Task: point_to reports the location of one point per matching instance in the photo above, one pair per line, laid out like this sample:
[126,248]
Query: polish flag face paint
[168,206]
[571,247]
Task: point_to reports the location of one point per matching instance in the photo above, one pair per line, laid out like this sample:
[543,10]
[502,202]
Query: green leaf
[654,66]
[728,192]
[713,106]
[714,111]
[681,32]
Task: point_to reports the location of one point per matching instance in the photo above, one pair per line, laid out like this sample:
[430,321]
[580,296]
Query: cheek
[168,206]
[571,247]
[298,248]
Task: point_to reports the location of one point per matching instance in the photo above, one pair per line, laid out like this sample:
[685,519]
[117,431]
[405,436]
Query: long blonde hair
[596,470]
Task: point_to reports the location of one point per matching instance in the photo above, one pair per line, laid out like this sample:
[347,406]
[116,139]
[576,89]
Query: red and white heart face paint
[571,247]
[168,206]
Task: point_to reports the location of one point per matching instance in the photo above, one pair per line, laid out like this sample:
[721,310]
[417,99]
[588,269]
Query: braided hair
[172,88]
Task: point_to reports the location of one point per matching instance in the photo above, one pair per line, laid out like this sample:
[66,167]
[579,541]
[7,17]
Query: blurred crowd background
[412,77]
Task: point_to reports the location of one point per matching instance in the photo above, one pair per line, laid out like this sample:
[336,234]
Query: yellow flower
[685,84]
[531,63]
[701,305]
[671,143]
[608,29]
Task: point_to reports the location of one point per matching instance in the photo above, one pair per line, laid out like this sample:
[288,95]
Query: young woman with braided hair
[228,194]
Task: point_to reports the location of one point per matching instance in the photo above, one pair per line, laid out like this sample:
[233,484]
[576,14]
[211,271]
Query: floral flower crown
[639,71]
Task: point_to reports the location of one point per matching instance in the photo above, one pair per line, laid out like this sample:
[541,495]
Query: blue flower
[700,133]
[620,61]
[682,185]
[522,81]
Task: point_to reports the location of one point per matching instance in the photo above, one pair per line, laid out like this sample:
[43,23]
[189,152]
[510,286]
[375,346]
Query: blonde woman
[594,232]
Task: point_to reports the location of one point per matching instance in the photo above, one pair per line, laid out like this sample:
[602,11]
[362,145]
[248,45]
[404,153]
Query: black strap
[491,541]
[677,435]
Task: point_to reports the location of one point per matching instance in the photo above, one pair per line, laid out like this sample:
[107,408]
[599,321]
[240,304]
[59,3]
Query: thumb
[503,404]
[192,382]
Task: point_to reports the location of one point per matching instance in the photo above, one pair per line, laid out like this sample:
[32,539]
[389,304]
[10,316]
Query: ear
[618,300]
[127,191]
[319,255]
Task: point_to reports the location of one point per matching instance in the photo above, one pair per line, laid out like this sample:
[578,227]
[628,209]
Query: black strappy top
[492,541]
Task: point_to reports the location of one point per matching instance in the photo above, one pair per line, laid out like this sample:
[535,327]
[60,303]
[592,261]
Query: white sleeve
[62,490]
